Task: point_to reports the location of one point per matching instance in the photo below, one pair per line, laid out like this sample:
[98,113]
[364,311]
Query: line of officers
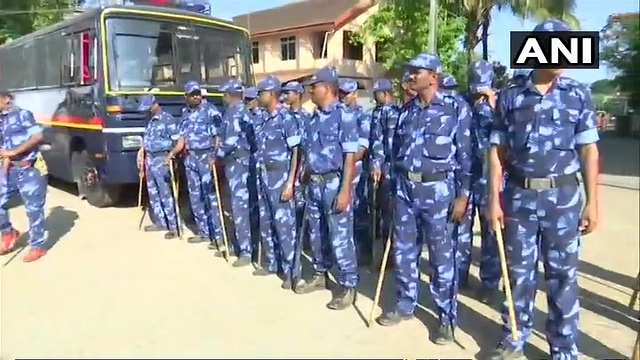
[426,165]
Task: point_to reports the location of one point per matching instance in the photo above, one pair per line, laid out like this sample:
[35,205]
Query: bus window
[71,60]
[146,53]
[87,58]
[143,54]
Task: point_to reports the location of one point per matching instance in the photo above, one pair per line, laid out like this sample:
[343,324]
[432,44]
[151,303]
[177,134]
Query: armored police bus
[82,79]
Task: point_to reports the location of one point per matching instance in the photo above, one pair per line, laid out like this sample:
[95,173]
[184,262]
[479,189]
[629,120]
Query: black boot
[502,353]
[213,246]
[262,272]
[242,261]
[317,282]
[342,299]
[197,239]
[287,284]
[393,318]
[444,336]
[171,235]
[487,295]
[154,228]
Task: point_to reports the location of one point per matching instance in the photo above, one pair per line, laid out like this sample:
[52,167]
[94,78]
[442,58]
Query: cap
[293,86]
[191,86]
[326,75]
[552,25]
[448,82]
[269,83]
[233,85]
[146,101]
[406,77]
[250,93]
[427,61]
[347,85]
[382,85]
[521,73]
[480,76]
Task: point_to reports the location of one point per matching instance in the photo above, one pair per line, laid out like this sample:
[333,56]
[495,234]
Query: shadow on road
[59,222]
[619,156]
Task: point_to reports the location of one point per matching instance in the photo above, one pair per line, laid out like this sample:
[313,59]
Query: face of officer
[423,79]
[320,92]
[291,97]
[267,98]
[5,102]
[348,98]
[382,97]
[251,103]
[194,98]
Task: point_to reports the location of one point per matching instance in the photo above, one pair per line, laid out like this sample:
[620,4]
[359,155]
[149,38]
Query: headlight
[131,141]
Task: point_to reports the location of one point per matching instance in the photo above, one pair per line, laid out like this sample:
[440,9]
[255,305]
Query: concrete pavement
[107,290]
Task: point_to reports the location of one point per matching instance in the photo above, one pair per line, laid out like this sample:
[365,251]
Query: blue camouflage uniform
[16,127]
[236,150]
[520,74]
[251,93]
[433,167]
[362,222]
[330,133]
[198,128]
[384,119]
[481,76]
[542,201]
[159,136]
[276,136]
[302,116]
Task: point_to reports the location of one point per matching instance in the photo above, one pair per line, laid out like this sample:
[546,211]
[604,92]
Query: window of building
[380,48]
[288,48]
[351,48]
[318,40]
[255,52]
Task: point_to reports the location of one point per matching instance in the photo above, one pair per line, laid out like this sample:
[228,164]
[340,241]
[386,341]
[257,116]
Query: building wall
[270,49]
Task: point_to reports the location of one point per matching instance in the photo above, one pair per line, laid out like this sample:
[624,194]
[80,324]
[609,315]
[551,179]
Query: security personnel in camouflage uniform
[544,133]
[159,136]
[278,138]
[331,144]
[433,170]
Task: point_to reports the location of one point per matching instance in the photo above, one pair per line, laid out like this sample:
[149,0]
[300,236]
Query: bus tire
[90,187]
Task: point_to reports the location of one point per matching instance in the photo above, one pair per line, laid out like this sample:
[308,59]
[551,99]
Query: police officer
[277,143]
[348,95]
[256,112]
[21,136]
[543,134]
[519,75]
[198,134]
[407,91]
[236,152]
[434,148]
[384,119]
[293,92]
[331,145]
[251,100]
[159,136]
[483,105]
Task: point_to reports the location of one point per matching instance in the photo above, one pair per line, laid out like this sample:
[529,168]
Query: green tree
[401,28]
[604,87]
[620,51]
[21,17]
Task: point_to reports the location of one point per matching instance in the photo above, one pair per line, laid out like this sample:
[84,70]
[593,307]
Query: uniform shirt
[238,133]
[541,132]
[160,133]
[330,133]
[436,138]
[363,121]
[301,115]
[198,126]
[481,130]
[384,119]
[279,132]
[16,127]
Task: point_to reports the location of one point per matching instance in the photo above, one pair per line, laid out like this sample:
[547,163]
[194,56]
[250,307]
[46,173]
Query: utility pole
[433,26]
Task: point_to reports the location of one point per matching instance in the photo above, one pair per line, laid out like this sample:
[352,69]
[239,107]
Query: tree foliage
[20,17]
[604,86]
[401,29]
[620,51]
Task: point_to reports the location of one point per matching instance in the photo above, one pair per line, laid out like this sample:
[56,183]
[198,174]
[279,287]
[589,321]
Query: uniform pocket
[438,139]
[563,129]
[520,126]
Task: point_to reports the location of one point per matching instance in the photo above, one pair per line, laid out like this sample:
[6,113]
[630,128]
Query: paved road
[106,290]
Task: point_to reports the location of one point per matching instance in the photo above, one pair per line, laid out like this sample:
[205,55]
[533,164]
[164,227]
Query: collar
[334,105]
[275,112]
[438,99]
[11,109]
[560,83]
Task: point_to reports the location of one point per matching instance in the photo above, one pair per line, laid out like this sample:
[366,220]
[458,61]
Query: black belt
[274,166]
[544,183]
[317,178]
[422,177]
[199,151]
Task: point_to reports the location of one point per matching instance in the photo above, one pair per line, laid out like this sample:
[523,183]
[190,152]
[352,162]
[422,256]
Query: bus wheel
[96,193]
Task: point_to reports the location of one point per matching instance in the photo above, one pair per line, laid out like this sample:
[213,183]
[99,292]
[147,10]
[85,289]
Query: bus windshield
[150,53]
